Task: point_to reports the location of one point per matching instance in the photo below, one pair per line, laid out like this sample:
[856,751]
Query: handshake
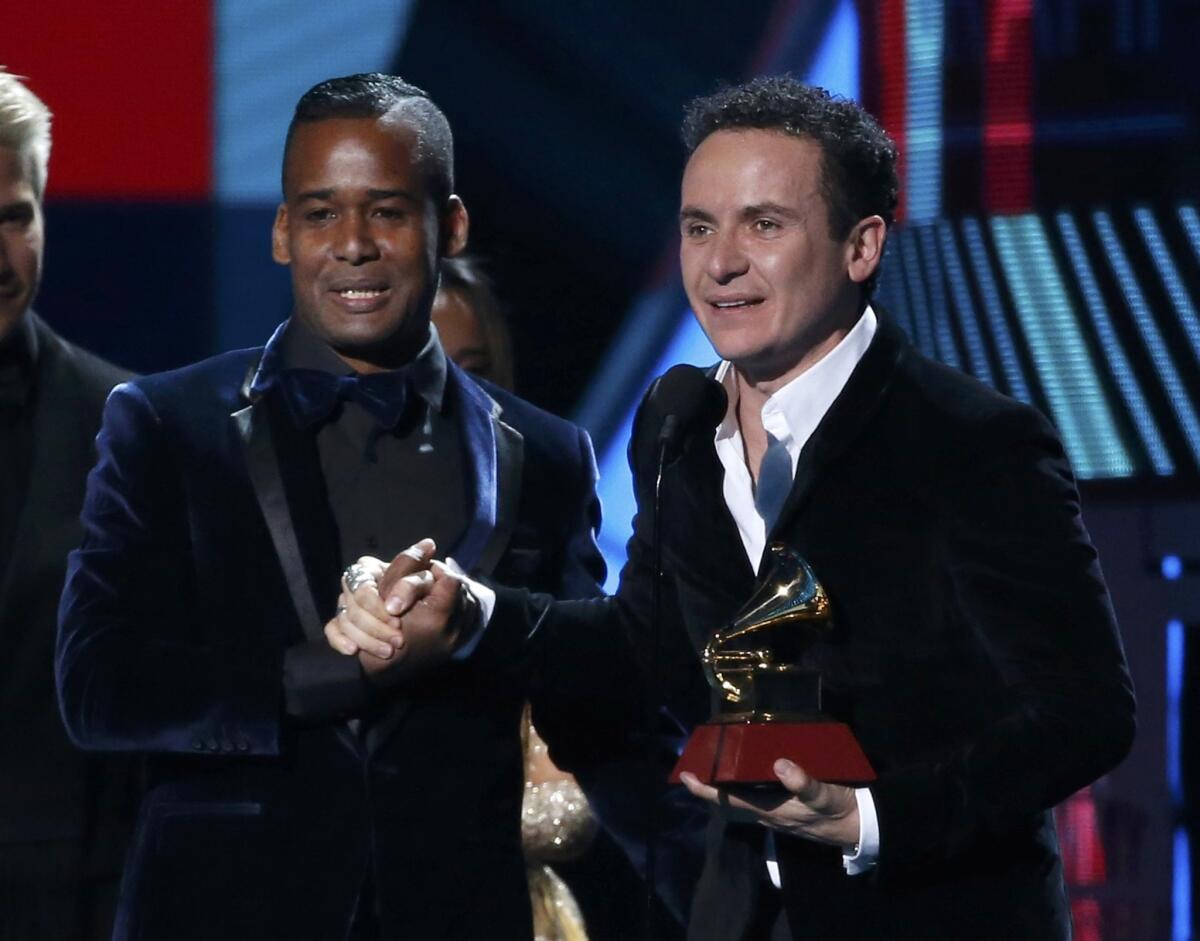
[404,618]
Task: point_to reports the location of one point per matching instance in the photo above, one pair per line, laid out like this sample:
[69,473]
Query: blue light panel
[1161,256]
[1190,220]
[1169,376]
[917,298]
[924,32]
[268,52]
[943,336]
[1014,376]
[1059,351]
[1181,888]
[967,320]
[1114,352]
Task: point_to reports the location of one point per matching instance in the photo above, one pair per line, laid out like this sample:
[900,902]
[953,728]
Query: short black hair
[372,95]
[858,158]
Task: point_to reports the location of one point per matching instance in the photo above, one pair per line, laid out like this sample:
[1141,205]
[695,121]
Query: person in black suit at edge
[64,816]
[295,793]
[975,656]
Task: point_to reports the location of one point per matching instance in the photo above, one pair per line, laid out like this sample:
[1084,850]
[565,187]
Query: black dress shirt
[18,366]
[387,488]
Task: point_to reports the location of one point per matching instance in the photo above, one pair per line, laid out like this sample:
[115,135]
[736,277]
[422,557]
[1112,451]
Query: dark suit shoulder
[213,383]
[95,376]
[939,400]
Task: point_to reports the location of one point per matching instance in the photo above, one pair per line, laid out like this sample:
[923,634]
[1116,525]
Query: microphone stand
[665,437]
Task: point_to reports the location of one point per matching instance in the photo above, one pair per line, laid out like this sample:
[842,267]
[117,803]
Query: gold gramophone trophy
[765,706]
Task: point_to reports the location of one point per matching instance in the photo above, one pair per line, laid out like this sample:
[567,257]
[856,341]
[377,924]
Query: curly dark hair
[372,95]
[858,159]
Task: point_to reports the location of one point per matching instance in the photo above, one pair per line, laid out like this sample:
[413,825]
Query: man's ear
[864,248]
[455,225]
[279,236]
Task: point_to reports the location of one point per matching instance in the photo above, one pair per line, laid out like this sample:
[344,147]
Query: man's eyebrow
[393,194]
[373,195]
[770,209]
[21,209]
[695,214]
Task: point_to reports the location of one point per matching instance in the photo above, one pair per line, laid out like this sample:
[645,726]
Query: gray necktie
[774,481]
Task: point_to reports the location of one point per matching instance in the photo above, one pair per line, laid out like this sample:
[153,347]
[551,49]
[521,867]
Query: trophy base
[746,752]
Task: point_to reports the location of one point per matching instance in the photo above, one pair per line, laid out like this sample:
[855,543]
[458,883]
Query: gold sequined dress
[556,825]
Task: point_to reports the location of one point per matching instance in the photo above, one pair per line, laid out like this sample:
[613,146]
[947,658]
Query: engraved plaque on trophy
[766,706]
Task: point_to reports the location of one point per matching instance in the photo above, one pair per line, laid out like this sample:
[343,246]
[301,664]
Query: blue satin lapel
[493,462]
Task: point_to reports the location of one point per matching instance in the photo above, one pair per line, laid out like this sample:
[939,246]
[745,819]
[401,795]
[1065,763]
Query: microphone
[688,400]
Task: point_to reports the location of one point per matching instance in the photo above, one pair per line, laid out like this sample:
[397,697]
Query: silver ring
[356,576]
[341,609]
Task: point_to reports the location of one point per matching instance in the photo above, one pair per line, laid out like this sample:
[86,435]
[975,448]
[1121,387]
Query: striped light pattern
[917,302]
[943,335]
[924,38]
[968,323]
[1014,375]
[1056,343]
[1161,256]
[1190,220]
[1097,310]
[1168,374]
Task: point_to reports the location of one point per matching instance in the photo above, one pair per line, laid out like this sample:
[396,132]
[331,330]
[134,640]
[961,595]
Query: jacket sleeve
[136,671]
[1025,578]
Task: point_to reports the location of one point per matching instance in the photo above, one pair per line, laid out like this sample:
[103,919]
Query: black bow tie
[314,395]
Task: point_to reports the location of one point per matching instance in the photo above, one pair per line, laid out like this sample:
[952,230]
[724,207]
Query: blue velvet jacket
[208,550]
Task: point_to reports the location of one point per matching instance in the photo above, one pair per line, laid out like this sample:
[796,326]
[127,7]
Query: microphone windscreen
[688,394]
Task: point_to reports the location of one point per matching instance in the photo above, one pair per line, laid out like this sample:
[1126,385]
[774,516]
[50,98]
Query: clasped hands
[404,617]
[408,616]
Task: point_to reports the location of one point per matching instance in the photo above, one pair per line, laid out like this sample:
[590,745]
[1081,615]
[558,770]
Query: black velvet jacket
[975,655]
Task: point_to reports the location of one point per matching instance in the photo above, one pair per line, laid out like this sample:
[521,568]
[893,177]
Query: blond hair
[25,127]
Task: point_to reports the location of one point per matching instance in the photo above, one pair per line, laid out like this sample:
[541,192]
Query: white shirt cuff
[866,854]
[486,599]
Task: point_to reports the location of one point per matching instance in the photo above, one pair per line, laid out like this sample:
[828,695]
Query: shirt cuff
[485,597]
[863,857]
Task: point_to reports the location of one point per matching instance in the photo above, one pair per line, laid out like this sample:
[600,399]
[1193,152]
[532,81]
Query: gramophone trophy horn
[765,705]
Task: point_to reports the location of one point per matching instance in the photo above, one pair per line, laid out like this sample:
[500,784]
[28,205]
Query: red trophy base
[746,752]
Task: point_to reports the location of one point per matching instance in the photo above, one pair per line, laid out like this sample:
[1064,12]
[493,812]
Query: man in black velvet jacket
[975,655]
[65,817]
[294,794]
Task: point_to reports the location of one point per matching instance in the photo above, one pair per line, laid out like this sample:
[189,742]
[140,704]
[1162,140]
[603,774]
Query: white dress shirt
[790,416]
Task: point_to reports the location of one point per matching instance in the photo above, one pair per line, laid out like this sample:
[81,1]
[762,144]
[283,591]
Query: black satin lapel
[510,463]
[305,541]
[846,418]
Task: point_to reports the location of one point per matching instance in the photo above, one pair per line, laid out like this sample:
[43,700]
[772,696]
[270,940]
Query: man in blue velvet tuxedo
[294,793]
